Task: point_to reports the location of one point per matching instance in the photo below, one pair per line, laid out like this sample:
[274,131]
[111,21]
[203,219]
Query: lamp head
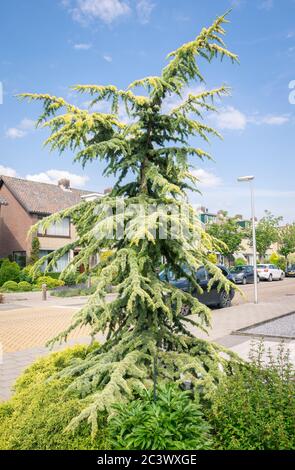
[245,178]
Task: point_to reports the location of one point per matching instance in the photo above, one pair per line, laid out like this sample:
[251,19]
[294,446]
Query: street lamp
[249,179]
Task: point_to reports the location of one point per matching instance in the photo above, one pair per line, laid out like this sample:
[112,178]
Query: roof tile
[42,198]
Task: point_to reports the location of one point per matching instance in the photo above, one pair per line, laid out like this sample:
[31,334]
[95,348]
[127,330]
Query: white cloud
[24,127]
[82,47]
[27,124]
[53,176]
[269,119]
[6,171]
[107,11]
[107,58]
[144,9]
[14,133]
[230,118]
[275,120]
[207,179]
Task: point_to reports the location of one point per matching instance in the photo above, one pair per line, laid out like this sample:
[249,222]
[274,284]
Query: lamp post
[249,179]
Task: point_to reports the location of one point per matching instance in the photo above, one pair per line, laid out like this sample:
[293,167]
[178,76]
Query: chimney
[64,184]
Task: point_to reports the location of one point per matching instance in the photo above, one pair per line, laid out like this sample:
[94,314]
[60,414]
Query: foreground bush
[255,408]
[37,415]
[173,422]
[24,286]
[49,281]
[10,286]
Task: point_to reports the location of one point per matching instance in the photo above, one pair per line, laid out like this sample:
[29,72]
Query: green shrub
[173,422]
[49,281]
[70,279]
[240,262]
[38,413]
[25,274]
[254,409]
[10,286]
[9,271]
[24,286]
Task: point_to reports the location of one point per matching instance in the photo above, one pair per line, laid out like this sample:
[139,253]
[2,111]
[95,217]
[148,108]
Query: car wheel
[282,277]
[185,310]
[258,279]
[244,281]
[225,300]
[270,278]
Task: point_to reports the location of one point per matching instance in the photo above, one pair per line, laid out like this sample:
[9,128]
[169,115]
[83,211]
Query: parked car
[290,271]
[243,274]
[270,272]
[211,298]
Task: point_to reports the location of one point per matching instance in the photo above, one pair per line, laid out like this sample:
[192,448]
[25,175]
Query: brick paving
[25,327]
[27,323]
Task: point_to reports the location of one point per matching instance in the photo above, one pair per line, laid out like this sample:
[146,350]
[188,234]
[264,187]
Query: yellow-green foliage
[24,286]
[212,257]
[49,281]
[41,407]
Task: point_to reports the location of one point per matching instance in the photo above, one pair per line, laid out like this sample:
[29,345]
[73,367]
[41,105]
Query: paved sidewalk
[24,331]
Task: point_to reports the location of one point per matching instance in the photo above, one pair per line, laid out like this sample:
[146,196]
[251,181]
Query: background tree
[229,232]
[146,335]
[278,260]
[267,233]
[287,239]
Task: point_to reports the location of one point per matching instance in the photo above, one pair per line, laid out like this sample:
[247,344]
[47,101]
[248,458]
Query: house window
[61,264]
[20,258]
[57,229]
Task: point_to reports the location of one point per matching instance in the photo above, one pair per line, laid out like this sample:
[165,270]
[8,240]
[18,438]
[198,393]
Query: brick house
[22,204]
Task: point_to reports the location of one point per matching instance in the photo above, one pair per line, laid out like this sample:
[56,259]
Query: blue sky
[48,45]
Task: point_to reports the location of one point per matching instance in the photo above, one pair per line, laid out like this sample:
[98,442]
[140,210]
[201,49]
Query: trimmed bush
[24,286]
[254,409]
[10,286]
[49,281]
[173,422]
[9,271]
[41,408]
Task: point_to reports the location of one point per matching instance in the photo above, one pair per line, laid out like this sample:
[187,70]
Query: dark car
[211,298]
[243,274]
[290,271]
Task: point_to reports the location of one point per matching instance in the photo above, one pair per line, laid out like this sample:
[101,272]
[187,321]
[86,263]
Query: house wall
[14,225]
[53,243]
